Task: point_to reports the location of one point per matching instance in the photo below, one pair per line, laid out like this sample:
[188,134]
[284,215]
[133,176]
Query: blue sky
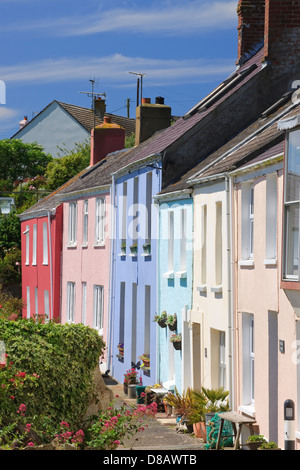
[51,50]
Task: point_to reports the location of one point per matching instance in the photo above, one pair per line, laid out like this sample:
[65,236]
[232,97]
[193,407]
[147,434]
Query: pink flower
[30,444]
[117,443]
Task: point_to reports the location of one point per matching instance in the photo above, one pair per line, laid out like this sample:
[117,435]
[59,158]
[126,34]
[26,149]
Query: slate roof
[259,141]
[163,139]
[160,141]
[85,117]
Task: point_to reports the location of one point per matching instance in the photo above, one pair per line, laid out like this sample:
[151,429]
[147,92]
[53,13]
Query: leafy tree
[19,160]
[60,170]
[10,228]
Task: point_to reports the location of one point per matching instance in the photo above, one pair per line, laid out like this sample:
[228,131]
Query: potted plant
[172,322]
[147,248]
[130,378]
[269,446]
[181,403]
[176,341]
[121,349]
[255,441]
[123,247]
[161,319]
[133,248]
[145,358]
[205,404]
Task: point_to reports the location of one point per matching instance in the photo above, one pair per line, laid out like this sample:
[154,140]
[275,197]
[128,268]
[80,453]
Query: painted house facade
[175,275]
[135,270]
[41,236]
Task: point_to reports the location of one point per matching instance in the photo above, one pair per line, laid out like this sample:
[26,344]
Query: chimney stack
[282,34]
[251,27]
[105,139]
[151,118]
[99,107]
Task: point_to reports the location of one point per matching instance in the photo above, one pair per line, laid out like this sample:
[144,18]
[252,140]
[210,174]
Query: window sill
[72,246]
[246,263]
[122,254]
[99,245]
[248,410]
[169,275]
[146,254]
[84,246]
[181,274]
[270,262]
[217,289]
[44,264]
[202,288]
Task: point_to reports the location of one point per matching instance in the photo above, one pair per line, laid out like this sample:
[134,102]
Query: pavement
[161,433]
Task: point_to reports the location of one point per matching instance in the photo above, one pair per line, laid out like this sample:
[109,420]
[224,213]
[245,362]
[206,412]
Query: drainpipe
[228,185]
[51,266]
[111,274]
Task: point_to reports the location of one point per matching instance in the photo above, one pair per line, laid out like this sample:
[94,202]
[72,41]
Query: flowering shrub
[15,388]
[66,436]
[130,377]
[110,430]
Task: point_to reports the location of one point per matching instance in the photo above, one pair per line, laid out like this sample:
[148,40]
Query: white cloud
[182,18]
[114,70]
[8,118]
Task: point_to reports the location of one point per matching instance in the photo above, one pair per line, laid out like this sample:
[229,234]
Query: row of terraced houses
[199,219]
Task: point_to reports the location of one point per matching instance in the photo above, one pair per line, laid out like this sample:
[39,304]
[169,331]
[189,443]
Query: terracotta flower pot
[200,430]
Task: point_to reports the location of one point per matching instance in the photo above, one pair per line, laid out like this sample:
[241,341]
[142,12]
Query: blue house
[135,270]
[175,274]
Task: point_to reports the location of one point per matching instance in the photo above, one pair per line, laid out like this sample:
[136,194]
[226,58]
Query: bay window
[291,207]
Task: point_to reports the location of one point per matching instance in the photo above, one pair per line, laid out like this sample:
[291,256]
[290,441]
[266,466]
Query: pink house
[86,235]
[65,241]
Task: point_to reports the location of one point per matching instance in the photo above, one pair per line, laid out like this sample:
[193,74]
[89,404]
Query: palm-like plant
[207,401]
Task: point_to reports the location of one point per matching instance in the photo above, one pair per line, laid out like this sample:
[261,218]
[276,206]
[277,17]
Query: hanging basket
[177,345]
[173,327]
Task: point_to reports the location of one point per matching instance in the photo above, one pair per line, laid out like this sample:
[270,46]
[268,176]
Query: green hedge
[64,357]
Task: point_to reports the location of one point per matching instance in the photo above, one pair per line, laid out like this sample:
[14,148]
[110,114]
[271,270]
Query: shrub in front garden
[63,356]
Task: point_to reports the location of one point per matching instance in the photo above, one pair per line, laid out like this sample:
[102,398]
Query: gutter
[111,274]
[51,264]
[230,268]
[195,179]
[137,164]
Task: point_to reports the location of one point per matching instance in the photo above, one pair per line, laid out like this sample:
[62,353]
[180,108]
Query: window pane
[293,168]
[292,240]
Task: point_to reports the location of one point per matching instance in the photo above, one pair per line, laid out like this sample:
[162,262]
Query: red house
[41,237]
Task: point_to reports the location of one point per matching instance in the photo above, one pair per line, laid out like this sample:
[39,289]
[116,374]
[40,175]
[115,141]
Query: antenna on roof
[141,75]
[93,95]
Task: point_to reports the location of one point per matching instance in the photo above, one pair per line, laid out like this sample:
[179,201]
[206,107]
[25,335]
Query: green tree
[10,228]
[19,160]
[60,170]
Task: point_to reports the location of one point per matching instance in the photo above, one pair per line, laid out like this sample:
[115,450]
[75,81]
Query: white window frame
[289,205]
[171,225]
[72,224]
[45,244]
[98,308]
[27,241]
[247,222]
[248,352]
[34,244]
[36,301]
[271,218]
[70,302]
[46,305]
[85,224]
[28,301]
[222,360]
[100,221]
[83,303]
